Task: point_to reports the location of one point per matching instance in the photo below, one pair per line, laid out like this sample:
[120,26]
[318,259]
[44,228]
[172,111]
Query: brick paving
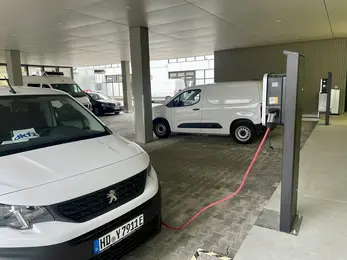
[197,170]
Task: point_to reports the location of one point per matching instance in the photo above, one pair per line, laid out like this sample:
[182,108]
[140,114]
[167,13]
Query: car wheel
[161,129]
[243,132]
[116,113]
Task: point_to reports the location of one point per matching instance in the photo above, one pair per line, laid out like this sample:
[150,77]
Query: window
[40,121]
[34,85]
[66,71]
[188,76]
[45,86]
[187,98]
[34,70]
[209,74]
[73,89]
[172,60]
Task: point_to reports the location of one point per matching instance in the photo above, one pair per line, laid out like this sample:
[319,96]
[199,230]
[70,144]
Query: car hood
[41,166]
[108,101]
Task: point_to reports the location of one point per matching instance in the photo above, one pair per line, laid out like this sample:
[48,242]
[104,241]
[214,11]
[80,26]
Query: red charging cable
[227,197]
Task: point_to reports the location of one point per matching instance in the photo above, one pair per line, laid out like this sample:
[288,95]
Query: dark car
[103,104]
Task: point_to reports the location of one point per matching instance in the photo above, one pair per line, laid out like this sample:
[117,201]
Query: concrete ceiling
[92,32]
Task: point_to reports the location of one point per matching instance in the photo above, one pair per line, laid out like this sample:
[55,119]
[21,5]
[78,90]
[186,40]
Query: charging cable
[229,196]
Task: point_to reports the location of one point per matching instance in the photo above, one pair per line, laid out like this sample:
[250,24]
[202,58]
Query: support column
[139,48]
[291,142]
[14,67]
[127,91]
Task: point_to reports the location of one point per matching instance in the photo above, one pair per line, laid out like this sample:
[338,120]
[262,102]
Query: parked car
[56,80]
[103,104]
[70,188]
[231,108]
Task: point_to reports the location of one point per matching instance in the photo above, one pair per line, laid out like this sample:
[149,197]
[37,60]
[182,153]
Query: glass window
[24,71]
[209,74]
[3,71]
[187,98]
[172,75]
[200,58]
[66,71]
[209,57]
[109,79]
[34,70]
[50,69]
[39,121]
[45,86]
[172,60]
[200,74]
[181,60]
[33,85]
[191,59]
[73,89]
[200,82]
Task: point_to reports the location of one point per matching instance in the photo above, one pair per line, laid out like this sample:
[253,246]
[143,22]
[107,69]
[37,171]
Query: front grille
[112,225]
[97,203]
[131,242]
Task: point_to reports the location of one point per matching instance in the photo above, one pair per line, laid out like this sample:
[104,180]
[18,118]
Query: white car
[230,108]
[56,80]
[69,188]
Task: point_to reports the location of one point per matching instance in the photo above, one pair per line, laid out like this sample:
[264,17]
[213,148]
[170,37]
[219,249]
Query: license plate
[118,234]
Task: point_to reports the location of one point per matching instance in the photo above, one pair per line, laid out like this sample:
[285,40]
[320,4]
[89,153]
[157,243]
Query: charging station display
[273,93]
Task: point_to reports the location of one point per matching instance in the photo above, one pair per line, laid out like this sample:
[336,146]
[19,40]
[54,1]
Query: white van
[59,82]
[165,89]
[230,108]
[69,187]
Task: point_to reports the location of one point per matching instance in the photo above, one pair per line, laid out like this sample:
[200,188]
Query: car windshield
[38,121]
[73,89]
[99,96]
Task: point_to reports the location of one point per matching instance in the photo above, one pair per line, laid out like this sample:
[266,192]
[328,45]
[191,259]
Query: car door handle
[196,109]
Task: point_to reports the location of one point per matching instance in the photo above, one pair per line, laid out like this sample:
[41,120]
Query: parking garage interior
[246,40]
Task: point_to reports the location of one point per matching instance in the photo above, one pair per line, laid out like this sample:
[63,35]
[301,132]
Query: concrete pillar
[14,67]
[139,48]
[127,91]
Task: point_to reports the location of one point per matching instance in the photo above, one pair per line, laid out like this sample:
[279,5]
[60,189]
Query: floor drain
[202,254]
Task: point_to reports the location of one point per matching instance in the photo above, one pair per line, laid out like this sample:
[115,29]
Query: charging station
[282,106]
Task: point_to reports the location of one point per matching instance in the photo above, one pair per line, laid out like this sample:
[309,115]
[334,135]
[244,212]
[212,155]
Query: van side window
[45,86]
[33,85]
[187,98]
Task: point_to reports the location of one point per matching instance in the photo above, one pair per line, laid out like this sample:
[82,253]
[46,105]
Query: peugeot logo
[112,196]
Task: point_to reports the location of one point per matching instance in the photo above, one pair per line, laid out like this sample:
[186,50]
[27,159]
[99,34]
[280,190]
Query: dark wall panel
[320,57]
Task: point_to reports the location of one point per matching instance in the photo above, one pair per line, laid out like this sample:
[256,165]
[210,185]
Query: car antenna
[11,88]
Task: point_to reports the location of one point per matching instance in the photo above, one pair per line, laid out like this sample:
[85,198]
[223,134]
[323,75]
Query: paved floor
[197,170]
[322,202]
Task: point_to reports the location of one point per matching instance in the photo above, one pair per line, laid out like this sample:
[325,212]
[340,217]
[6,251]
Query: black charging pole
[327,109]
[291,143]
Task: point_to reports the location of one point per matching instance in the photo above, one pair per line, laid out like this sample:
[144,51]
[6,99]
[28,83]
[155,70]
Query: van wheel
[243,132]
[161,129]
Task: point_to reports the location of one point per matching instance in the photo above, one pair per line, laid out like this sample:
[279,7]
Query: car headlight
[23,217]
[117,104]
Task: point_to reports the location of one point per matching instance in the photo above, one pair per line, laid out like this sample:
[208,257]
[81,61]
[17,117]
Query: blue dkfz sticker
[96,247]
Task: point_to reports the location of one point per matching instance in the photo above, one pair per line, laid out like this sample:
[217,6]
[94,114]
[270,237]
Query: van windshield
[38,121]
[73,89]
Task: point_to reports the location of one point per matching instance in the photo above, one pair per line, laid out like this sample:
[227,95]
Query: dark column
[327,109]
[291,145]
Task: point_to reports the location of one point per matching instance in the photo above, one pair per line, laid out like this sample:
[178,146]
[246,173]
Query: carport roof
[92,32]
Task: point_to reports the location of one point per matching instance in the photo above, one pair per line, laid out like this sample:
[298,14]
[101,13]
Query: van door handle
[196,109]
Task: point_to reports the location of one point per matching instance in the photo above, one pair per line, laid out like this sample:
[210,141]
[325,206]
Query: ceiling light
[12,34]
[278,21]
[127,7]
[60,23]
